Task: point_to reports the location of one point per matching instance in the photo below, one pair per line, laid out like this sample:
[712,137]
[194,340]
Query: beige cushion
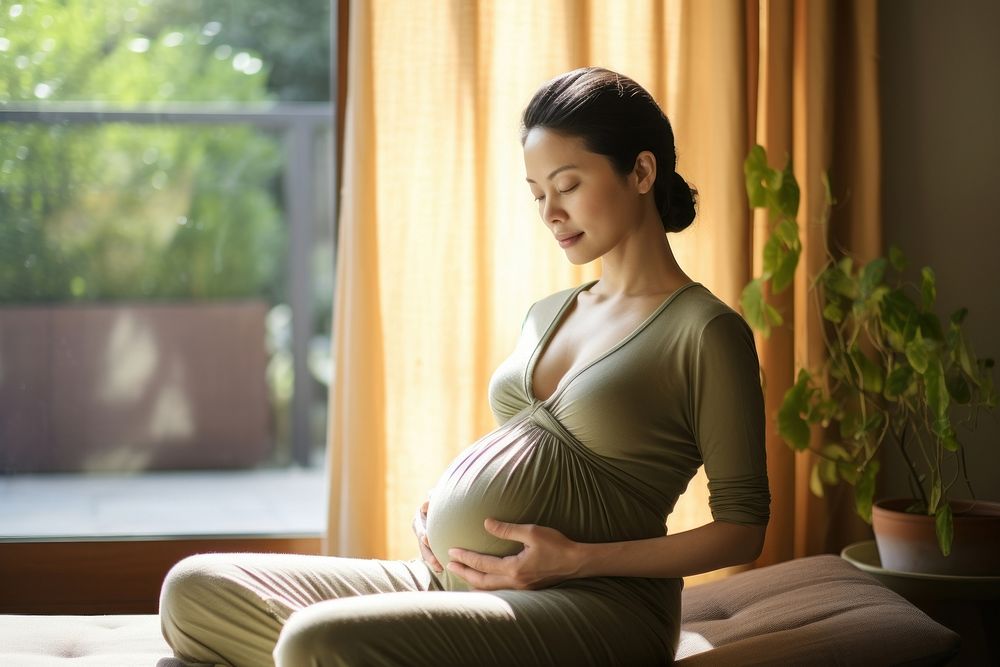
[105,641]
[811,611]
[819,610]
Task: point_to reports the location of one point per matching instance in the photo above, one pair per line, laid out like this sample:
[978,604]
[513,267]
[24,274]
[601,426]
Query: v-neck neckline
[570,375]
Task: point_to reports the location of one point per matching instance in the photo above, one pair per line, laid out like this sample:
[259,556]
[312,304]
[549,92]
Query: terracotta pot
[907,542]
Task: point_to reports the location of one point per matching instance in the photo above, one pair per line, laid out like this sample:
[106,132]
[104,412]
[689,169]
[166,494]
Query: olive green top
[605,457]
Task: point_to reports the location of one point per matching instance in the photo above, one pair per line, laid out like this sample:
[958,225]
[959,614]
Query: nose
[551,211]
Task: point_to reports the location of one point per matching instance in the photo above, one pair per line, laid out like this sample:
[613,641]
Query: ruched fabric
[606,456]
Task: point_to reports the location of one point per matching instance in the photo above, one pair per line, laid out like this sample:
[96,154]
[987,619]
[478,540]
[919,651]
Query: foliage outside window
[104,210]
[119,211]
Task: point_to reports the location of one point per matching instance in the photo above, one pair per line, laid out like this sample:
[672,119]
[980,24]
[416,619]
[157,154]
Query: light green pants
[250,610]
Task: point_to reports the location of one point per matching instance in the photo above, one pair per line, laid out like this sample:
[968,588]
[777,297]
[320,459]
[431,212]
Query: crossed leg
[300,611]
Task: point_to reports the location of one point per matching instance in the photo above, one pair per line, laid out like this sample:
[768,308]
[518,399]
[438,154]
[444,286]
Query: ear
[645,171]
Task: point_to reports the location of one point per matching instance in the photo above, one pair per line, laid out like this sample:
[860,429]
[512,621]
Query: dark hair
[617,118]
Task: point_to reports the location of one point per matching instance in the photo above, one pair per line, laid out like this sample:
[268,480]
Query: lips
[566,240]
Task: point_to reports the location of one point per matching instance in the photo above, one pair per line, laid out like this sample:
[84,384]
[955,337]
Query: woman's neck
[642,264]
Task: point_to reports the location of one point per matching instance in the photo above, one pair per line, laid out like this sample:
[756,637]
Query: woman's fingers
[420,530]
[428,555]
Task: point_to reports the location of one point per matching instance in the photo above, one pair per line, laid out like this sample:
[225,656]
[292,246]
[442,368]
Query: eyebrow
[556,171]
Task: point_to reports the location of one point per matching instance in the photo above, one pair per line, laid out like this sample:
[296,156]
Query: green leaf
[755,173]
[836,452]
[942,428]
[965,360]
[771,256]
[784,272]
[848,471]
[831,454]
[959,315]
[833,311]
[897,382]
[958,388]
[871,373]
[879,293]
[787,231]
[772,181]
[815,482]
[864,491]
[935,390]
[943,528]
[897,259]
[828,471]
[871,276]
[838,282]
[787,194]
[774,318]
[752,303]
[989,396]
[851,426]
[951,339]
[928,290]
[898,311]
[781,255]
[935,498]
[791,426]
[930,327]
[918,353]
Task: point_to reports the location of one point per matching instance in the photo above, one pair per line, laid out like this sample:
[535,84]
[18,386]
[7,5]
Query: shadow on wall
[941,203]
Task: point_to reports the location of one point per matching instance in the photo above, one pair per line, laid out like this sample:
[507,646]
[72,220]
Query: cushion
[819,610]
[105,641]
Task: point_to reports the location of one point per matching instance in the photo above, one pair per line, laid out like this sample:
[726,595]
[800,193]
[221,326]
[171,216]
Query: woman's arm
[549,556]
[710,547]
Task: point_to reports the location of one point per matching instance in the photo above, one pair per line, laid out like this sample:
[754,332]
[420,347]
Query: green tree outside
[122,211]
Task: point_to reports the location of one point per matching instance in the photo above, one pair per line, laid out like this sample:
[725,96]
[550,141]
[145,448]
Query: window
[166,259]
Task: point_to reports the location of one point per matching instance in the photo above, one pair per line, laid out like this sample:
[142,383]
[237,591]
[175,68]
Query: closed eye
[562,192]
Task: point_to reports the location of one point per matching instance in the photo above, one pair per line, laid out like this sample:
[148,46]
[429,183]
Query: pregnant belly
[522,473]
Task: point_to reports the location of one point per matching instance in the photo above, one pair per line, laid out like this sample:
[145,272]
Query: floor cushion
[819,610]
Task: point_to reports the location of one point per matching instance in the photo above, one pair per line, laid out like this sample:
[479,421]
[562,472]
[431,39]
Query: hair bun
[679,212]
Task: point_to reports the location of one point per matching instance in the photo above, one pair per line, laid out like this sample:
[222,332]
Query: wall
[940,88]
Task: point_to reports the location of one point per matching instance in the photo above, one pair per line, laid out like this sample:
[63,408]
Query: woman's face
[585,203]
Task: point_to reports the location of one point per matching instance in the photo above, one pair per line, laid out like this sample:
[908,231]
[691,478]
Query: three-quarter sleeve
[727,412]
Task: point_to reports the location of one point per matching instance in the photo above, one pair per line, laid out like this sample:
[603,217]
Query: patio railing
[299,124]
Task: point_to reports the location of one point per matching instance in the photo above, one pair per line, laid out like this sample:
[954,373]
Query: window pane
[165,230]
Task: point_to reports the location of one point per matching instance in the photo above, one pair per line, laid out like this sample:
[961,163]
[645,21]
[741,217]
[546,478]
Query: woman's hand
[548,557]
[420,530]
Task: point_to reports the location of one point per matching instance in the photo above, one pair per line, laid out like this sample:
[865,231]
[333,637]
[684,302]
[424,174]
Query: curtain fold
[356,446]
[441,250]
[818,104]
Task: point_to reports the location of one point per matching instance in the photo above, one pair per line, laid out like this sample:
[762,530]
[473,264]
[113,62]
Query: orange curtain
[817,102]
[441,250]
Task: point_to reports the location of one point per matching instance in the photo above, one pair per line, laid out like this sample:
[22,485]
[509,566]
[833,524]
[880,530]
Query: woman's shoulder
[695,313]
[702,306]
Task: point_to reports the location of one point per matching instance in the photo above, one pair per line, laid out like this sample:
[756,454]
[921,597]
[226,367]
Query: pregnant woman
[544,542]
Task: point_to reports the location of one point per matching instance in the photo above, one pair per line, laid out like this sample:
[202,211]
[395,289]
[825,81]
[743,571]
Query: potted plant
[894,373]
